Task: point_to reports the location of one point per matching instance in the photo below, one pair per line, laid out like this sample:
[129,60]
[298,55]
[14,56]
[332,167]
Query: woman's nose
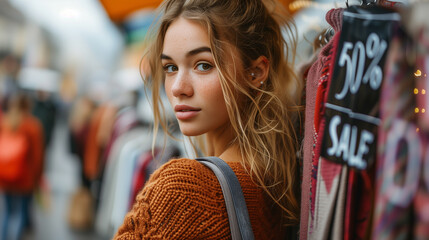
[182,85]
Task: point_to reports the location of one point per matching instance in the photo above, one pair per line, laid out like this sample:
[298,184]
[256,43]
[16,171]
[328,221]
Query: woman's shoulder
[180,163]
[182,181]
[180,201]
[190,175]
[191,168]
[182,170]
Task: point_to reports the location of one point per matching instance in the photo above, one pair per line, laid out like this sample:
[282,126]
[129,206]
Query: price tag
[351,109]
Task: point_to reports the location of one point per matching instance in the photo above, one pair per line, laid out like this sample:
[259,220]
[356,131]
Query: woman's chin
[190,132]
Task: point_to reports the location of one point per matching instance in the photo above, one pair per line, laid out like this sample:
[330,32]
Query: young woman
[224,68]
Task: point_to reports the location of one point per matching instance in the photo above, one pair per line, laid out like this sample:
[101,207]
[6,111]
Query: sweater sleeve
[182,200]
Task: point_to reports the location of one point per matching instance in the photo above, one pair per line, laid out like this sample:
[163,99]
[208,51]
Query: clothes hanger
[364,2]
[368,2]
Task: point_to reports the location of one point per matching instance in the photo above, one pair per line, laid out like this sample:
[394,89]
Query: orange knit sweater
[183,200]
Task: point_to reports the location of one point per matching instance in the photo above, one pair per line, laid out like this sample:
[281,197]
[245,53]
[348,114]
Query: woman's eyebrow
[163,56]
[190,53]
[198,50]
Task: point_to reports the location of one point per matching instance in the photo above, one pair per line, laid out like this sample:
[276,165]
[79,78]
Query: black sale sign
[351,109]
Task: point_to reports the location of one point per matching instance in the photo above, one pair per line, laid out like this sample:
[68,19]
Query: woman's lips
[185,112]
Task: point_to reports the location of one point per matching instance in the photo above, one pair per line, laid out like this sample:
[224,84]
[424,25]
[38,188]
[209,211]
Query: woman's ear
[259,71]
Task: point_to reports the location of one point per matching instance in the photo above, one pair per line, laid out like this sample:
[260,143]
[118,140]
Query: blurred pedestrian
[45,110]
[21,163]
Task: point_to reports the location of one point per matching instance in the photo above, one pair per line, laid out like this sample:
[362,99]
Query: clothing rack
[365,127]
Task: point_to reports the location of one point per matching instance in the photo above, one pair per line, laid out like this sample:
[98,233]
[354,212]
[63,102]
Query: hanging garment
[327,175]
[103,222]
[402,196]
[127,162]
[125,119]
[79,126]
[334,18]
[397,105]
[100,128]
[148,164]
[421,202]
[139,174]
[359,201]
[340,113]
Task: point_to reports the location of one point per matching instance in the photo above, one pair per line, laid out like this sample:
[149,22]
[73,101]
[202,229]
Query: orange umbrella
[119,10]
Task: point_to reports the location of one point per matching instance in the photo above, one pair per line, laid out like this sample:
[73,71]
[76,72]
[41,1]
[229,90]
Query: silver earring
[252,74]
[262,82]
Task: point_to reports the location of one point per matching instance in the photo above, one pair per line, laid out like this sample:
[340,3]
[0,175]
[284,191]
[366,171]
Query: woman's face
[191,79]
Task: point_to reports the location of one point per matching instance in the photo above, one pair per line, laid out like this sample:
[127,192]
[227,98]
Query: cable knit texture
[183,200]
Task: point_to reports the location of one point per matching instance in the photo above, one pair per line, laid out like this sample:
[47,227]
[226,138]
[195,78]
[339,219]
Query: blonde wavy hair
[262,117]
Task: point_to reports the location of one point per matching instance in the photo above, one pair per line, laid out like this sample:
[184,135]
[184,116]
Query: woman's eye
[204,67]
[170,68]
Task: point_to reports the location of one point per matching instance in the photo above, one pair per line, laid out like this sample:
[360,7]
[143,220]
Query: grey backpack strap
[238,216]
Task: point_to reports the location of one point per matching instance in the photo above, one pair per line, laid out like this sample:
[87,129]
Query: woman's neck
[222,145]
[231,154]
